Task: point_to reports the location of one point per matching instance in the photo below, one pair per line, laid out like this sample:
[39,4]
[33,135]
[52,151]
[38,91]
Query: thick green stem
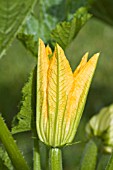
[55,159]
[11,147]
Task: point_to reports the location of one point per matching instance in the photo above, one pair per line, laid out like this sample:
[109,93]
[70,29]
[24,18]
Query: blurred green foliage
[12,15]
[17,63]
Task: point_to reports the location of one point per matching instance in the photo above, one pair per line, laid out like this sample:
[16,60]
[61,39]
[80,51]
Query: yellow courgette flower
[61,94]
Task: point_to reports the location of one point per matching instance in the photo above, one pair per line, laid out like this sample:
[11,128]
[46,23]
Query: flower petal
[77,98]
[42,69]
[81,65]
[60,80]
[48,51]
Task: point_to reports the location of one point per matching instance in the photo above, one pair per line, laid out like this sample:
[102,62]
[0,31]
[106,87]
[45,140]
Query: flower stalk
[55,156]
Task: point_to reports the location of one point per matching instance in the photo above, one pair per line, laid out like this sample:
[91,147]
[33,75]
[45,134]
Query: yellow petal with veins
[43,65]
[77,98]
[81,65]
[60,80]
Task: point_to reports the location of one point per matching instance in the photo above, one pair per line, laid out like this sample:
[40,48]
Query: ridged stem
[55,156]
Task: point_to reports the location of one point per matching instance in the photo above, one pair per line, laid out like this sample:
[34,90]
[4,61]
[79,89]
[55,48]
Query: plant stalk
[55,156]
[12,149]
[36,150]
[36,154]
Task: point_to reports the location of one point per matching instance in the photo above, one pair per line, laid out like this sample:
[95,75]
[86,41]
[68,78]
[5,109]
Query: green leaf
[48,16]
[65,32]
[101,9]
[40,26]
[89,158]
[12,16]
[22,122]
[29,34]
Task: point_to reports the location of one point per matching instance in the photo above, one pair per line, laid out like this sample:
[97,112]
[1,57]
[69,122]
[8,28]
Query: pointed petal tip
[40,41]
[48,50]
[86,54]
[96,56]
[85,57]
[57,46]
[59,50]
[41,44]
[94,59]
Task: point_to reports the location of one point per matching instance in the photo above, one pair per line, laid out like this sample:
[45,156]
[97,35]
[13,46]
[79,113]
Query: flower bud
[61,94]
[101,125]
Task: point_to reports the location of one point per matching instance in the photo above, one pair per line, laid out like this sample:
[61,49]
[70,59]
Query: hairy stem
[11,147]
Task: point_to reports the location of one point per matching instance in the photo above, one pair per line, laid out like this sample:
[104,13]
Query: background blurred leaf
[24,141]
[22,121]
[89,156]
[41,24]
[49,15]
[29,34]
[65,32]
[12,15]
[103,9]
[94,37]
